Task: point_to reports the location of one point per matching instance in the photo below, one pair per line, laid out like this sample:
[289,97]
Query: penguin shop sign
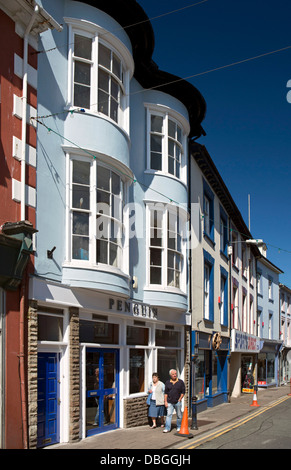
[137,309]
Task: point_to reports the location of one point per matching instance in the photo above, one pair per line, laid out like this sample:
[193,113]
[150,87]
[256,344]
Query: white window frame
[206,214]
[163,209]
[244,260]
[234,243]
[270,326]
[259,283]
[206,283]
[96,33]
[223,282]
[270,288]
[235,300]
[91,263]
[244,313]
[259,326]
[167,114]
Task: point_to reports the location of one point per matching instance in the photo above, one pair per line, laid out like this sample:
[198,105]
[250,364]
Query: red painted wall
[10,212]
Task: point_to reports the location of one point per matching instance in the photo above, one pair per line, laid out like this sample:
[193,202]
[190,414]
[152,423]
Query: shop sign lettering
[137,309]
[244,342]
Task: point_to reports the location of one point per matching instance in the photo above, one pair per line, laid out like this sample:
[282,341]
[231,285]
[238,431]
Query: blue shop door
[102,390]
[48,399]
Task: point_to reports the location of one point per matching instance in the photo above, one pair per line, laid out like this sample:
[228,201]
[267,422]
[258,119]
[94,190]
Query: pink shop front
[245,349]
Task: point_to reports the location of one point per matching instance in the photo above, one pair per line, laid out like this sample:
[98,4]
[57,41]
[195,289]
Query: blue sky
[248,119]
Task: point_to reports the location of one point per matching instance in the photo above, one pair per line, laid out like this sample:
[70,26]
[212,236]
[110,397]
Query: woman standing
[157,408]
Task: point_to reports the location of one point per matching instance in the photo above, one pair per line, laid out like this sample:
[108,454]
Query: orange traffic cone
[255,403]
[184,431]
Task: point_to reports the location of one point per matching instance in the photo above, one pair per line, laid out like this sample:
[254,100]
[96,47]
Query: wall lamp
[50,252]
[251,241]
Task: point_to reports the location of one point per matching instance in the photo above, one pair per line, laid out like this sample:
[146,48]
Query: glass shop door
[102,390]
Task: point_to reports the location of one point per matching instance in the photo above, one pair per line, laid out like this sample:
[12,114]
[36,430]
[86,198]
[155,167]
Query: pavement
[143,437]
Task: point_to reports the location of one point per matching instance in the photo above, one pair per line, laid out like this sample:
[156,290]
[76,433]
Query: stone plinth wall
[74,375]
[32,374]
[135,412]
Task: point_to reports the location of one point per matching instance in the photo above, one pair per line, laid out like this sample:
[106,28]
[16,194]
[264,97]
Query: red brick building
[21,21]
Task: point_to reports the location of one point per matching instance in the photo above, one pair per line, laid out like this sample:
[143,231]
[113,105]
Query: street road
[265,428]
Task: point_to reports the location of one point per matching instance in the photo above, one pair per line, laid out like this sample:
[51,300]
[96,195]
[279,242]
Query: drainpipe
[24,111]
[22,217]
[22,366]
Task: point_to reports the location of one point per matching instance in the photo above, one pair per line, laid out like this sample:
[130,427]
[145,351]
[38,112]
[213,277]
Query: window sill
[207,320]
[224,256]
[136,395]
[170,290]
[52,343]
[235,268]
[209,239]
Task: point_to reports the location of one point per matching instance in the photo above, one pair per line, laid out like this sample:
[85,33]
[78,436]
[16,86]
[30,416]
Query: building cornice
[131,16]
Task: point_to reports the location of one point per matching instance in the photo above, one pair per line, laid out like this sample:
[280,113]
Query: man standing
[174,392]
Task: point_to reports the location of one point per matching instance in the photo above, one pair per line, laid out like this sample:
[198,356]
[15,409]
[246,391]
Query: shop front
[248,369]
[243,365]
[120,349]
[210,369]
[101,351]
[285,365]
[268,363]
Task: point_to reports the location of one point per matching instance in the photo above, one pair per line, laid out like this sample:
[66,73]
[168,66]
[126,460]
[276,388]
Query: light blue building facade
[268,322]
[110,297]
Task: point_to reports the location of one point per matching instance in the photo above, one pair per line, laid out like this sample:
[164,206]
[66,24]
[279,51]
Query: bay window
[99,72]
[166,144]
[166,247]
[96,213]
[96,68]
[110,87]
[109,226]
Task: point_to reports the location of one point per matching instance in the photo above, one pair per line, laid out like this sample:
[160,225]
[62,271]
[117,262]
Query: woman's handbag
[149,398]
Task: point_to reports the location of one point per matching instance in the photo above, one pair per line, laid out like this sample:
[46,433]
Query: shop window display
[98,332]
[209,374]
[168,359]
[214,374]
[136,370]
[266,368]
[247,371]
[202,375]
[50,328]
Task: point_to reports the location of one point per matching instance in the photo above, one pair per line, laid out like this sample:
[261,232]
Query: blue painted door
[48,399]
[102,390]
